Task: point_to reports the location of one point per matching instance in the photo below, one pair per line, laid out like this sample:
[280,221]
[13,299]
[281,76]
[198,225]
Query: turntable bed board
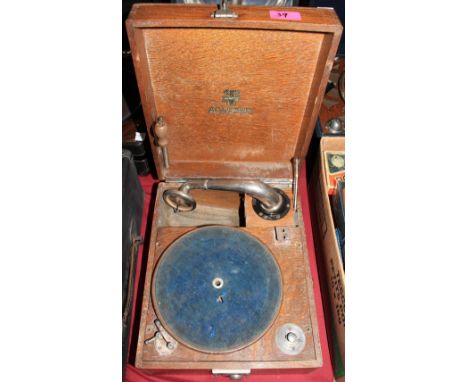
[294,263]
[323,373]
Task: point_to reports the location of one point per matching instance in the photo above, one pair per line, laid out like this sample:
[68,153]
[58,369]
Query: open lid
[239,97]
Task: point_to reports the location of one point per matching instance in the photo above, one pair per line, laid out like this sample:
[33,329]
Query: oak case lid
[240,97]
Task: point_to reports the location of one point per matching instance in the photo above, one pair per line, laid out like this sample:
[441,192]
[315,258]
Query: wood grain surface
[297,307]
[185,61]
[213,207]
[240,98]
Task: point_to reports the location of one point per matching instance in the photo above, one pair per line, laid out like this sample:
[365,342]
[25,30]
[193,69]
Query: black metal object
[135,138]
[265,214]
[138,150]
[141,150]
[132,210]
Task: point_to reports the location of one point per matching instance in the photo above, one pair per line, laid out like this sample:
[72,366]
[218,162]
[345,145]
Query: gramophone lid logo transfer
[230,97]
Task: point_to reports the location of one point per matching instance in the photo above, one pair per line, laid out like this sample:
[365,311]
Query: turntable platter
[217,289]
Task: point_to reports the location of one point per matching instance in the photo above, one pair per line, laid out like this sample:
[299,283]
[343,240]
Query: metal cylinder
[270,198]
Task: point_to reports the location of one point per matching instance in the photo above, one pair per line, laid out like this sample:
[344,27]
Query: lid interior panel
[234,100]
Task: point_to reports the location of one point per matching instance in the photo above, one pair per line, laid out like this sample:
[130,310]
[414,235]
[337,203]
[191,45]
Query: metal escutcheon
[290,339]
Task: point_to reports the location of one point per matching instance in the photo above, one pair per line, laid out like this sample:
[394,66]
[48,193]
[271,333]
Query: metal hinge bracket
[224,12]
[282,234]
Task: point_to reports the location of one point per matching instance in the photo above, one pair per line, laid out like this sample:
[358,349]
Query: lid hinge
[224,12]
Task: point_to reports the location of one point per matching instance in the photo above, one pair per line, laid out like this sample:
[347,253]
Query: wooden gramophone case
[239,98]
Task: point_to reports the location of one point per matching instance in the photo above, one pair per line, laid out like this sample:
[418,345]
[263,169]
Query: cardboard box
[331,268]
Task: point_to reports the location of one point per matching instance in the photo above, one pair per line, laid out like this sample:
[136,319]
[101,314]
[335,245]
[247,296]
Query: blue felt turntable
[217,289]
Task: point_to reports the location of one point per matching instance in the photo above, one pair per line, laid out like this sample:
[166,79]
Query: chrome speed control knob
[290,339]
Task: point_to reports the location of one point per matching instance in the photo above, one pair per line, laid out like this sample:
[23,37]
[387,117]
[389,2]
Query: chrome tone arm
[272,201]
[268,196]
